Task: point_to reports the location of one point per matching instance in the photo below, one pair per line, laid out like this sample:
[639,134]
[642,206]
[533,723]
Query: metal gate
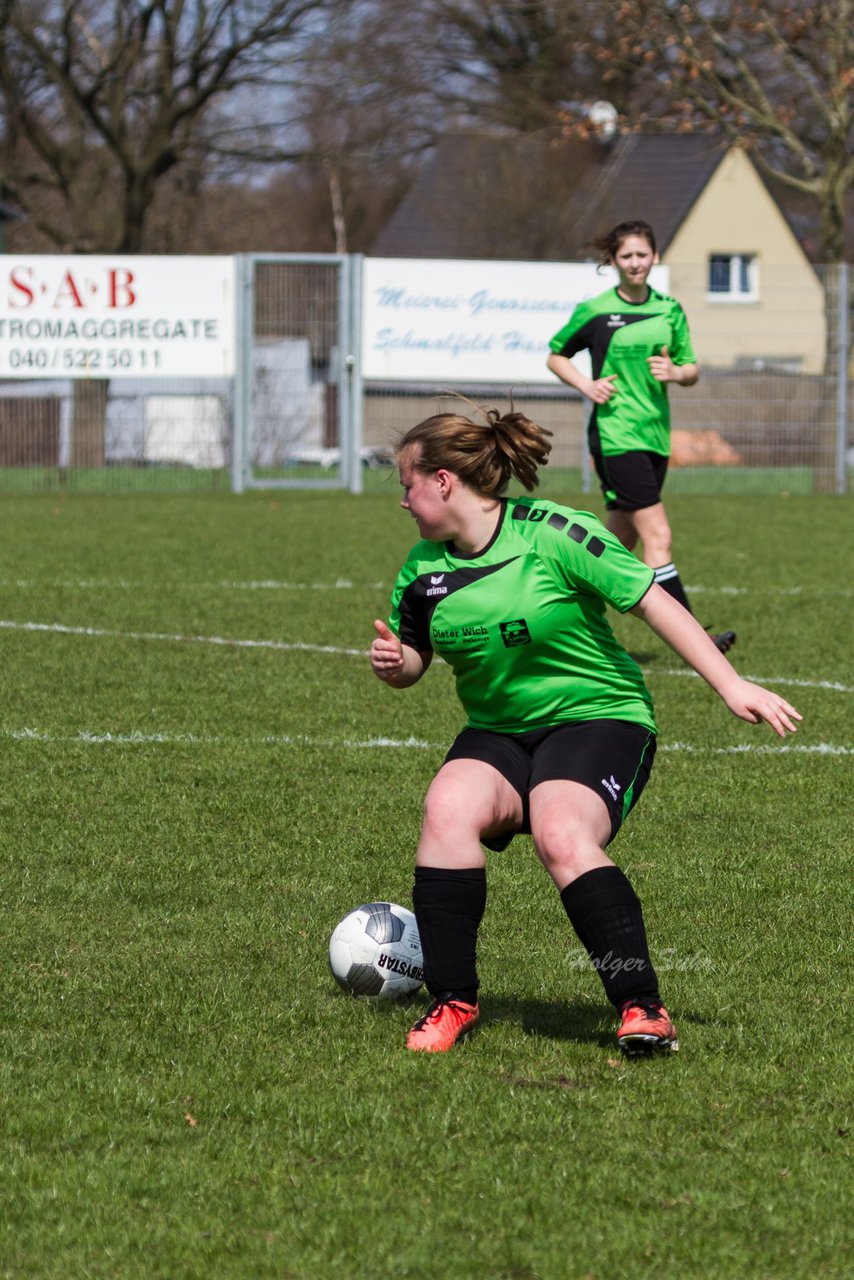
[297,411]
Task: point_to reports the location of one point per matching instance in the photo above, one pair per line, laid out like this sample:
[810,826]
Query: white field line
[137,738]
[761,749]
[285,646]
[843,593]
[342,584]
[124,584]
[769,681]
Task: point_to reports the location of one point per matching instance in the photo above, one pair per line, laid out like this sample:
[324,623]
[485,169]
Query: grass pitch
[202,776]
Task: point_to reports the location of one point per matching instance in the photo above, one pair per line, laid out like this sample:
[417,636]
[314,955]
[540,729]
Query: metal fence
[296,422]
[772,411]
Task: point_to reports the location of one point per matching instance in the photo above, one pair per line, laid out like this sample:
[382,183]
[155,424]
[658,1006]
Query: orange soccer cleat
[445,1022]
[645,1026]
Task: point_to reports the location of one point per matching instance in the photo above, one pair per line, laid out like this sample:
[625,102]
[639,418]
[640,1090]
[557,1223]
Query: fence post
[243,328]
[586,469]
[356,400]
[842,381]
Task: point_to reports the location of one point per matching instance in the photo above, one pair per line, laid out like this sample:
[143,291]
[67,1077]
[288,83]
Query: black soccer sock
[605,912]
[449,907]
[667,576]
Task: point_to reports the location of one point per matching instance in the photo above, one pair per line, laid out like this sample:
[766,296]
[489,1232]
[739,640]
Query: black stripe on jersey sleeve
[581,340]
[427,591]
[595,336]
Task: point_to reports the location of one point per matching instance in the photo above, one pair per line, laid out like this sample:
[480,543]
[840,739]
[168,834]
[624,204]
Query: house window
[733,277]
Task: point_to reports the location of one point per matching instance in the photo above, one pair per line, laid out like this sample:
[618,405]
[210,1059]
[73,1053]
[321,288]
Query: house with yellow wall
[751,294]
[753,299]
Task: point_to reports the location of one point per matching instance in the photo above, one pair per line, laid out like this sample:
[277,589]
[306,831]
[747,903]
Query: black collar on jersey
[630,302]
[473,555]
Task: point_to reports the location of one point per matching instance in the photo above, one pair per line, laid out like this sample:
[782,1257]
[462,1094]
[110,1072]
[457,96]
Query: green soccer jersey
[621,336]
[522,623]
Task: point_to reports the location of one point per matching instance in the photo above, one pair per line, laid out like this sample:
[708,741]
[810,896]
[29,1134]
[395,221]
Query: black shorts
[631,481]
[611,757]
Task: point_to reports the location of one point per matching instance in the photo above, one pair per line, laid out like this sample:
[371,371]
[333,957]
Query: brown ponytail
[485,454]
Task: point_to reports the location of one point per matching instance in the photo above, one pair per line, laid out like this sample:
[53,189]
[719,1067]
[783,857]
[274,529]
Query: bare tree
[774,76]
[367,110]
[520,63]
[102,98]
[389,81]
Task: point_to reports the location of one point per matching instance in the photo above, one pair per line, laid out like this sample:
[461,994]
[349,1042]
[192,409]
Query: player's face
[424,499]
[634,260]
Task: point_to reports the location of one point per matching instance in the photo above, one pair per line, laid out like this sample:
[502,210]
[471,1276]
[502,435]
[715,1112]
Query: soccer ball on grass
[376,951]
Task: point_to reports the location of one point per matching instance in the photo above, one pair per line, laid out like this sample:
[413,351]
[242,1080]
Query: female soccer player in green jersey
[639,342]
[560,732]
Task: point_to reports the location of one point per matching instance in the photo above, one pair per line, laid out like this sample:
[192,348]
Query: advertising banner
[113,317]
[461,321]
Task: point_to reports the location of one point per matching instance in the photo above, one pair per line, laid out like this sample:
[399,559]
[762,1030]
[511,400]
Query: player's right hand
[386,652]
[603,388]
[752,703]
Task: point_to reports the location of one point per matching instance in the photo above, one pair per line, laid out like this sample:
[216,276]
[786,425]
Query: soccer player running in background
[560,731]
[639,342]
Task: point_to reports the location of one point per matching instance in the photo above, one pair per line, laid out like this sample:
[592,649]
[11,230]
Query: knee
[561,847]
[446,811]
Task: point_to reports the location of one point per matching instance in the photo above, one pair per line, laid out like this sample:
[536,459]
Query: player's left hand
[752,703]
[662,367]
[386,652]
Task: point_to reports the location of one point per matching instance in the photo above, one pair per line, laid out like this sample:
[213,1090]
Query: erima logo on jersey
[615,322]
[612,787]
[435,589]
[435,579]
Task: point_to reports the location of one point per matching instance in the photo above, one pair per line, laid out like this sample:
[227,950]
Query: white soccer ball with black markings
[376,951]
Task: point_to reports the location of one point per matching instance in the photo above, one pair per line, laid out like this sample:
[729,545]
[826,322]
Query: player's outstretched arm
[397,664]
[681,630]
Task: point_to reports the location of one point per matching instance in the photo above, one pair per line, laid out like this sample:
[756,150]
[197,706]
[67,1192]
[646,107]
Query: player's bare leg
[651,527]
[622,524]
